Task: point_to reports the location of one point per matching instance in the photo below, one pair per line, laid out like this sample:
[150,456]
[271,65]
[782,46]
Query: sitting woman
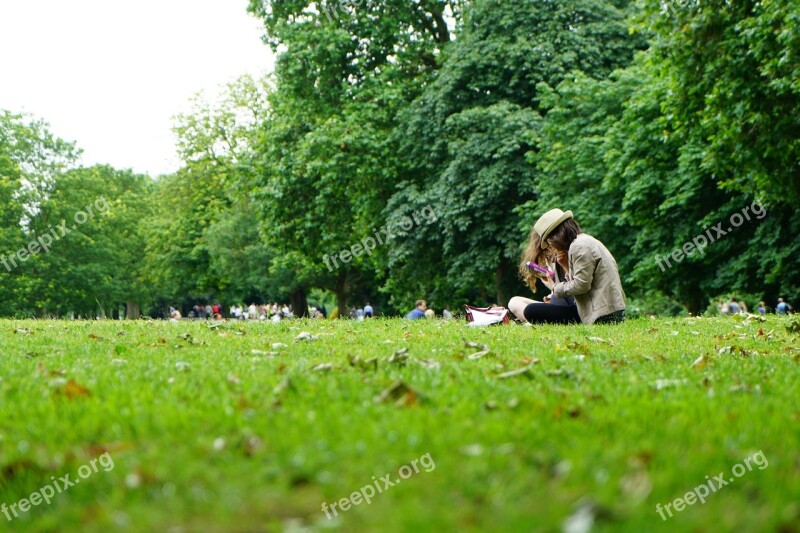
[584,280]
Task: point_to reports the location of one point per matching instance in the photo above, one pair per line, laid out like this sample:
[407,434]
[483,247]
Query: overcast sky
[111,74]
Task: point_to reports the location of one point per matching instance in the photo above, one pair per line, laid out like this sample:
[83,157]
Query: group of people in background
[276,312]
[421,311]
[360,313]
[734,307]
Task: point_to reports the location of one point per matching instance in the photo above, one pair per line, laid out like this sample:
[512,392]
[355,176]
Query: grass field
[240,427]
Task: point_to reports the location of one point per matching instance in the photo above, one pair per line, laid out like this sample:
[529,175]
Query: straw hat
[550,221]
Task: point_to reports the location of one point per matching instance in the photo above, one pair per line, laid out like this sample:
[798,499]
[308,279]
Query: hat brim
[565,216]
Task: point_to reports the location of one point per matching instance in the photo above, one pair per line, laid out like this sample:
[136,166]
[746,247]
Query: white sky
[111,74]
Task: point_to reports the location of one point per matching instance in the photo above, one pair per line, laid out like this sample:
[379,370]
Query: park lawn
[211,428]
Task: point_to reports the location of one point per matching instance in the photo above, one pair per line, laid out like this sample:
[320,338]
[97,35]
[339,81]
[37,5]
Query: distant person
[446,314]
[723,308]
[743,306]
[762,308]
[419,311]
[368,312]
[733,307]
[783,308]
[429,313]
[584,279]
[360,314]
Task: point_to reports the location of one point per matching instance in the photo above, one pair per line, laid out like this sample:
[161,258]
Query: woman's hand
[563,260]
[547,298]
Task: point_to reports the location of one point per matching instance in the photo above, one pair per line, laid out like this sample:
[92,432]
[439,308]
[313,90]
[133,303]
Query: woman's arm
[583,265]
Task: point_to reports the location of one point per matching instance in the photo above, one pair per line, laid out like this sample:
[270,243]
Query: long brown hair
[533,253]
[561,238]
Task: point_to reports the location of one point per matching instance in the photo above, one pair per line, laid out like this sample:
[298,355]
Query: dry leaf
[525,371]
[700,363]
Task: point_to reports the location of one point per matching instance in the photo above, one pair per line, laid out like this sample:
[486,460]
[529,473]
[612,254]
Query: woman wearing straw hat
[583,278]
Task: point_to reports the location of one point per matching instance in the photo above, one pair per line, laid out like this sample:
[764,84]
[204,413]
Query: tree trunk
[133,311]
[300,303]
[500,277]
[341,294]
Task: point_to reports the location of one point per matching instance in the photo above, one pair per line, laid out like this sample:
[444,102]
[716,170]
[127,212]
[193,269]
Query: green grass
[207,435]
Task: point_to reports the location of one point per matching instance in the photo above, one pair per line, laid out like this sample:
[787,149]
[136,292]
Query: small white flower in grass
[182,366]
[219,444]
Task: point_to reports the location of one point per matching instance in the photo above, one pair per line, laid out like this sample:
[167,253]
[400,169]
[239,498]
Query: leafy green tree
[89,231]
[30,159]
[734,86]
[328,162]
[469,139]
[204,243]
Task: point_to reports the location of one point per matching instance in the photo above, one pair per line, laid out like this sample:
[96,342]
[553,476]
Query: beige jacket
[594,280]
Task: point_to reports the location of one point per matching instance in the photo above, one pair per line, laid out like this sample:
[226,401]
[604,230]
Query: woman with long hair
[583,277]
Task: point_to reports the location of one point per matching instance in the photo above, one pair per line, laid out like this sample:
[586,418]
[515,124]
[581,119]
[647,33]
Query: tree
[89,229]
[205,242]
[470,139]
[327,162]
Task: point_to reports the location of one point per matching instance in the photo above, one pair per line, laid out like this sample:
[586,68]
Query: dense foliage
[655,122]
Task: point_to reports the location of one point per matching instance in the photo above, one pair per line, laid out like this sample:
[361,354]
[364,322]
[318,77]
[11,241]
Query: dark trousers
[552,313]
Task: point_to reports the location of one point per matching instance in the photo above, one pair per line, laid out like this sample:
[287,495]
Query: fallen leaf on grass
[283,386]
[636,486]
[182,366]
[71,389]
[262,352]
[581,520]
[472,450]
[305,336]
[41,369]
[322,367]
[560,373]
[401,394]
[23,331]
[661,384]
[369,364]
[430,364]
[700,363]
[11,470]
[399,357]
[483,350]
[525,371]
[572,412]
[579,347]
[742,387]
[250,445]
